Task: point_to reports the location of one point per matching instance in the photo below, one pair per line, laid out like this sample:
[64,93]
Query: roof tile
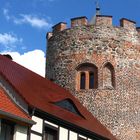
[42,93]
[7,105]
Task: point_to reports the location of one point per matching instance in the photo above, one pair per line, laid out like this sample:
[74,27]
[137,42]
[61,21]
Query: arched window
[87,76]
[82,81]
[108,76]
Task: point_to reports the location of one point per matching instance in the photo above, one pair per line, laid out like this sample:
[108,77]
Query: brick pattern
[116,107]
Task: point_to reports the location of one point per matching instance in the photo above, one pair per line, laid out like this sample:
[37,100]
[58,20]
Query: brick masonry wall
[117,108]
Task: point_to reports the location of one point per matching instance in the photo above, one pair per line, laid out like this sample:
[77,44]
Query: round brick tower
[100,65]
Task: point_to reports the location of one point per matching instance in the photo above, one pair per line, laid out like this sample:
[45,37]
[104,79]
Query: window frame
[51,130]
[81,138]
[10,124]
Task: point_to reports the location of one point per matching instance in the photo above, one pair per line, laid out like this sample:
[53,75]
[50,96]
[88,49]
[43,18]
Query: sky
[24,24]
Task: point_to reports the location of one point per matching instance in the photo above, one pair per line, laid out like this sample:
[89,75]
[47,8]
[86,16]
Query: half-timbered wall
[38,131]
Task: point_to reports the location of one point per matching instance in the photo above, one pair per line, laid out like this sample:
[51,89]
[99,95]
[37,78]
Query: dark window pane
[50,134]
[91,80]
[6,131]
[68,105]
[50,137]
[82,81]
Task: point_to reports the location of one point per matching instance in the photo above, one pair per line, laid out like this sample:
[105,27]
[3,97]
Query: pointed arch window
[108,76]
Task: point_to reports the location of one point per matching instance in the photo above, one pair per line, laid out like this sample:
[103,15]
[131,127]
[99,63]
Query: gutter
[17,118]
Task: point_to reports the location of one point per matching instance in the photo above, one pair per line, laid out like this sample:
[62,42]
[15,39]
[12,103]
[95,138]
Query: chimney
[8,56]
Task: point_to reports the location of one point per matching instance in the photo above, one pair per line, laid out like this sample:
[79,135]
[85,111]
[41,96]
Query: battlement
[126,23]
[100,20]
[59,27]
[79,21]
[103,20]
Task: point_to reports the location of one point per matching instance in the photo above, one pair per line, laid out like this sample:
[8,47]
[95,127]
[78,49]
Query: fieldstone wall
[118,108]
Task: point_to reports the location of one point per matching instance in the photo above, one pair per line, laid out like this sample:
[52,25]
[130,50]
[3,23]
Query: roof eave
[17,118]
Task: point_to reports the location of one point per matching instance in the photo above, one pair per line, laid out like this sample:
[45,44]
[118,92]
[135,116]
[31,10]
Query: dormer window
[69,106]
[86,77]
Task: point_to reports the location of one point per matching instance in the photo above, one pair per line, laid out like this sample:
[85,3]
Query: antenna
[93,20]
[97,7]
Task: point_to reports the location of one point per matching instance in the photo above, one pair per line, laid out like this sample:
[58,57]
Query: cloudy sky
[24,24]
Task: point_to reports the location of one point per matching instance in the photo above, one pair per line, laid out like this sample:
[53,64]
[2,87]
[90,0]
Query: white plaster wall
[35,137]
[38,127]
[63,133]
[73,136]
[20,132]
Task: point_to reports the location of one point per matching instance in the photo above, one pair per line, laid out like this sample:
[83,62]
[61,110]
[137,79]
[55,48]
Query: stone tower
[100,65]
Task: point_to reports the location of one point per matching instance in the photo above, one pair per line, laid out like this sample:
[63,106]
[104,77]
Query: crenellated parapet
[100,20]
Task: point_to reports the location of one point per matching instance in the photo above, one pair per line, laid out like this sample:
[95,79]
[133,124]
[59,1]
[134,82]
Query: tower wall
[116,106]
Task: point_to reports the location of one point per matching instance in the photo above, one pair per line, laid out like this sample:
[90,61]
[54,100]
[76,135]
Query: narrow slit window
[91,80]
[82,81]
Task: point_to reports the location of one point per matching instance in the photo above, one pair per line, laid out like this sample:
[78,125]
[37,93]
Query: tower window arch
[86,76]
[108,76]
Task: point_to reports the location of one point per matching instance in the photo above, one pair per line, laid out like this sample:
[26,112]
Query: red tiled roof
[8,106]
[40,93]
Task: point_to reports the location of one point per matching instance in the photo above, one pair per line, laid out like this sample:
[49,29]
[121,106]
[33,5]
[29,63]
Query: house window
[86,76]
[82,80]
[7,130]
[51,133]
